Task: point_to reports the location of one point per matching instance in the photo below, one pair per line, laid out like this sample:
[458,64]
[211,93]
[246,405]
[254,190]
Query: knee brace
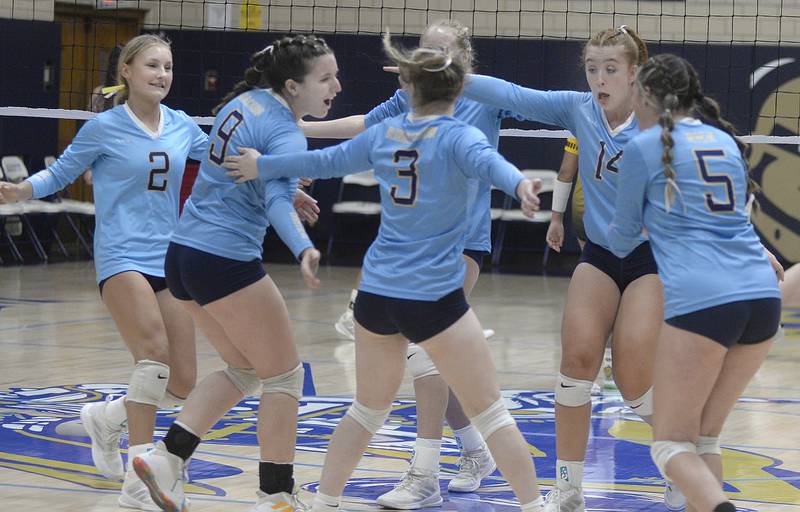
[495,417]
[289,383]
[419,364]
[371,419]
[707,445]
[662,451]
[148,382]
[245,379]
[573,392]
[643,406]
[170,401]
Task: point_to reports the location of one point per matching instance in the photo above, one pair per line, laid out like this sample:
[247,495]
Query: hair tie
[110,91]
[447,62]
[624,29]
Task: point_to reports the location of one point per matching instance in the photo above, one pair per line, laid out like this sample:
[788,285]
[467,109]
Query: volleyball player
[419,486]
[137,151]
[687,183]
[214,268]
[606,292]
[411,288]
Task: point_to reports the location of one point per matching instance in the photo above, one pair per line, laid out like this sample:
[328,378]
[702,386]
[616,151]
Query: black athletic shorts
[156,283]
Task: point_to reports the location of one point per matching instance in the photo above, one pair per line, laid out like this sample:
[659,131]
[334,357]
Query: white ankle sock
[426,455]
[323,502]
[136,450]
[569,474]
[116,414]
[469,438]
[536,505]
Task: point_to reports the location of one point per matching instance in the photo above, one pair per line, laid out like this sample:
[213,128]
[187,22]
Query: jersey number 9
[409,173]
[217,148]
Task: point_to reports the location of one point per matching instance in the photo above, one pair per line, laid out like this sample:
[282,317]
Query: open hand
[527,192]
[244,167]
[309,264]
[306,207]
[555,235]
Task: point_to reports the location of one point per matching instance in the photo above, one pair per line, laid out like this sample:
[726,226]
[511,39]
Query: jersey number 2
[409,173]
[158,175]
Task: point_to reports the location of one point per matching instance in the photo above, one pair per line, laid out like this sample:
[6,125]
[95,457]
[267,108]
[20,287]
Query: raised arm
[626,226]
[79,156]
[550,107]
[344,128]
[477,158]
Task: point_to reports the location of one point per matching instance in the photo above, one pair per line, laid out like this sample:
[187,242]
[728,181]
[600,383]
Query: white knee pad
[643,406]
[148,382]
[662,451]
[170,401]
[245,379]
[419,364]
[573,392]
[707,445]
[371,419]
[289,383]
[495,417]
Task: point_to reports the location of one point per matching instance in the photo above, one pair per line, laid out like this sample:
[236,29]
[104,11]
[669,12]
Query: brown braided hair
[671,83]
[285,59]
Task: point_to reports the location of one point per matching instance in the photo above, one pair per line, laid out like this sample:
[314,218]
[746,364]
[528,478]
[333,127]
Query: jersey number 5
[217,148]
[409,173]
[158,182]
[729,204]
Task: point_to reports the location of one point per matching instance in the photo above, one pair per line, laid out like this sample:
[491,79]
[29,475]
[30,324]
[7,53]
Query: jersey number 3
[409,173]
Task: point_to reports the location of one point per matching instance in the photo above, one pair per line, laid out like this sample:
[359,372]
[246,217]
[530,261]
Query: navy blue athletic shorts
[623,271]
[745,321]
[417,320]
[203,277]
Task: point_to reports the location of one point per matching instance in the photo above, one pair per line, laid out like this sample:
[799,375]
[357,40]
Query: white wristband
[561,192]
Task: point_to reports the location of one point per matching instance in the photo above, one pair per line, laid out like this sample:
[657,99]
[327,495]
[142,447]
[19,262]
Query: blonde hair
[635,48]
[436,75]
[129,53]
[463,43]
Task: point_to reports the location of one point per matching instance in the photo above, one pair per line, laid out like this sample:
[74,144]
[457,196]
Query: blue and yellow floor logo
[39,434]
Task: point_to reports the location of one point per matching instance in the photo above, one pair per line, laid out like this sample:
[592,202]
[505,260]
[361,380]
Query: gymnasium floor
[60,349]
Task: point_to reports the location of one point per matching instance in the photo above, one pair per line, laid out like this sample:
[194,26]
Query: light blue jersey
[424,167]
[707,251]
[230,220]
[483,117]
[136,175]
[600,148]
